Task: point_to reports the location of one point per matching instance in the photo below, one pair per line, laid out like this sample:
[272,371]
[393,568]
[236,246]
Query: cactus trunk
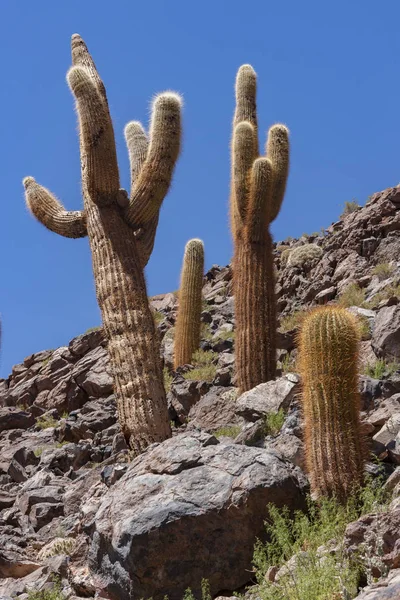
[328,358]
[129,327]
[254,313]
[187,330]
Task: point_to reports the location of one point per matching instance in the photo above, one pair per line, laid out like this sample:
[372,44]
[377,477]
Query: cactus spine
[257,190]
[121,233]
[329,344]
[187,331]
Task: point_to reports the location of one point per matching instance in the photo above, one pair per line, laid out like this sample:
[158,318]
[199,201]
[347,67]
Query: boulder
[386,334]
[385,589]
[268,397]
[12,418]
[187,509]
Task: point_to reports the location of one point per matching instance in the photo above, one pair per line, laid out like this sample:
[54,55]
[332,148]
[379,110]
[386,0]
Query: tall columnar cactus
[328,344]
[121,233]
[257,190]
[187,330]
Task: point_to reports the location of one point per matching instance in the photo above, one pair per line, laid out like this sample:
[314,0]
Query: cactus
[328,358]
[187,330]
[121,233]
[257,190]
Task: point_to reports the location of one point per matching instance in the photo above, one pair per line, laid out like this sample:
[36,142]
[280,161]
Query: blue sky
[329,70]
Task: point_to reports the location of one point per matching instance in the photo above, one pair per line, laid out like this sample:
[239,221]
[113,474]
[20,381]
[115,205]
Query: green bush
[349,207]
[381,369]
[231,432]
[315,572]
[303,255]
[167,379]
[54,594]
[46,421]
[293,321]
[383,270]
[273,422]
[353,295]
[205,369]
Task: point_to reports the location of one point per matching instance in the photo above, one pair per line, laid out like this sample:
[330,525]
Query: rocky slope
[72,504]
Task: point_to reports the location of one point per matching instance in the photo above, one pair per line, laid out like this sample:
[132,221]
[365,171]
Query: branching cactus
[121,233]
[257,190]
[328,358]
[187,330]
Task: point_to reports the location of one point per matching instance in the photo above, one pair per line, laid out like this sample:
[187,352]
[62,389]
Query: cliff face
[71,504]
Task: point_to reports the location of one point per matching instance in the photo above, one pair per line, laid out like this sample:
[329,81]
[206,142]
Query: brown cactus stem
[129,327]
[255,348]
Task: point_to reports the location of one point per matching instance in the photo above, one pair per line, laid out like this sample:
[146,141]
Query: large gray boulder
[189,508]
[386,334]
[268,397]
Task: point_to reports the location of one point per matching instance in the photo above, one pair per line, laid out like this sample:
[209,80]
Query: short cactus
[187,330]
[121,233]
[257,190]
[328,359]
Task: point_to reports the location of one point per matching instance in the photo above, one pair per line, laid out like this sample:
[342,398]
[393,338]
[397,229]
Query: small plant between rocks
[273,422]
[46,421]
[231,432]
[205,369]
[353,295]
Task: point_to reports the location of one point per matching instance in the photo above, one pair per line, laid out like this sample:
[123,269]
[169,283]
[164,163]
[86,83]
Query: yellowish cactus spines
[187,330]
[257,190]
[121,232]
[328,359]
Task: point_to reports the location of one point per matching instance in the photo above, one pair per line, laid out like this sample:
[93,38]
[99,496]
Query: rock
[385,589]
[183,395]
[387,434]
[381,534]
[386,333]
[15,564]
[252,434]
[268,397]
[325,295]
[216,409]
[12,418]
[44,513]
[186,502]
[290,447]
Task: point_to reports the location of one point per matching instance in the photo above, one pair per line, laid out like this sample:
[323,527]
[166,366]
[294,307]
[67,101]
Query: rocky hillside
[77,516]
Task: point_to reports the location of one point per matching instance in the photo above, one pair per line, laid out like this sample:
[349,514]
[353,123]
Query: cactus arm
[82,58]
[243,154]
[51,213]
[245,92]
[260,199]
[155,176]
[138,145]
[98,151]
[277,149]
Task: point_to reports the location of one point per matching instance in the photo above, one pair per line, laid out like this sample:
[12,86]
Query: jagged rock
[188,488]
[14,564]
[385,589]
[376,531]
[268,397]
[290,447]
[216,409]
[11,418]
[43,513]
[386,334]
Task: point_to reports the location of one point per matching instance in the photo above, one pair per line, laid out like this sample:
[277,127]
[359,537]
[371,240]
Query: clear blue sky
[329,70]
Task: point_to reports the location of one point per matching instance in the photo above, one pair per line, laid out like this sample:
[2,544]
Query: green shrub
[381,369]
[231,432]
[293,321]
[383,270]
[205,369]
[157,317]
[365,327]
[303,255]
[288,364]
[167,379]
[46,421]
[353,295]
[273,422]
[390,291]
[54,594]
[315,574]
[224,335]
[350,207]
[93,329]
[38,451]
